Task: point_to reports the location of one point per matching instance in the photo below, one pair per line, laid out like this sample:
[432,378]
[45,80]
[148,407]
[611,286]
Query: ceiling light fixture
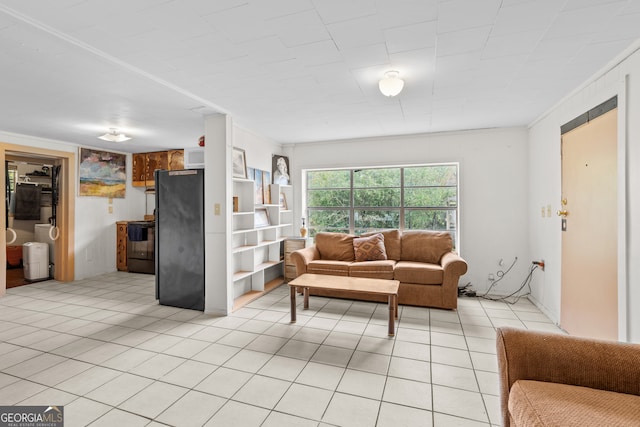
[391,84]
[114,136]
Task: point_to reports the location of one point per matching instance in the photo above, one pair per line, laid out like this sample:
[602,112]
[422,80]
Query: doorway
[36,162]
[589,280]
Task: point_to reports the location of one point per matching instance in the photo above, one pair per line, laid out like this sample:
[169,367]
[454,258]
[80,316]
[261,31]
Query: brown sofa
[423,262]
[559,380]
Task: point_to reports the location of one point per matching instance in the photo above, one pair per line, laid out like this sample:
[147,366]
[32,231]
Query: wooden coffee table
[353,285]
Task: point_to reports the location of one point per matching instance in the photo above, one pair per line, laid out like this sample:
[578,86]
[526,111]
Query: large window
[408,198]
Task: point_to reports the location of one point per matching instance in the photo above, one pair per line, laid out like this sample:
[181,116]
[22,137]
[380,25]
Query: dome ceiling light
[114,136]
[391,84]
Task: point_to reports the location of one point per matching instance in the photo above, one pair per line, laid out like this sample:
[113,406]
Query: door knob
[563,212]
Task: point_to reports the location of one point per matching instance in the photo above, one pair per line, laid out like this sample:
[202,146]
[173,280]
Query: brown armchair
[551,379]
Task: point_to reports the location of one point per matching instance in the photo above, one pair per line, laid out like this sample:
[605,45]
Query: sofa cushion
[425,246]
[369,248]
[335,246]
[391,242]
[552,404]
[373,269]
[418,272]
[334,268]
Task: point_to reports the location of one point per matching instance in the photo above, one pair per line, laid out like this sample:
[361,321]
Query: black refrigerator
[179,243]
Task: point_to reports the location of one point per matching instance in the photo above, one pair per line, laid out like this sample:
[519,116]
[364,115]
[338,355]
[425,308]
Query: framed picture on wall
[266,188]
[261,218]
[239,163]
[258,186]
[280,168]
[102,173]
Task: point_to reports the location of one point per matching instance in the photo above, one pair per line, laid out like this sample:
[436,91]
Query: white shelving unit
[257,256]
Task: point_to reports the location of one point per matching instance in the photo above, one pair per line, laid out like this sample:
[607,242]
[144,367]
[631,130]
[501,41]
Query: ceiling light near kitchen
[114,136]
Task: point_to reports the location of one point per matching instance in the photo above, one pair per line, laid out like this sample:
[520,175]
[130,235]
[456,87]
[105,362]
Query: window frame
[401,209]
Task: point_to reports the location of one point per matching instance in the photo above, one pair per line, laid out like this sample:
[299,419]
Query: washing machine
[35,258]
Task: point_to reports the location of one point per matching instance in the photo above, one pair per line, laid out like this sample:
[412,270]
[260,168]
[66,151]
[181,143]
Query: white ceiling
[294,70]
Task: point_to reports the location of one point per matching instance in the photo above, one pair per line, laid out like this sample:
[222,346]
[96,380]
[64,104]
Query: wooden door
[589,287]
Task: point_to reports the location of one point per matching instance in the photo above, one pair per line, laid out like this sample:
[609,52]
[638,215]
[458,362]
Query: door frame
[623,243]
[65,218]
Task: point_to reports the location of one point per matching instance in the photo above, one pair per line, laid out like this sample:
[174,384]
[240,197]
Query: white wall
[258,149]
[95,230]
[493,186]
[544,184]
[95,239]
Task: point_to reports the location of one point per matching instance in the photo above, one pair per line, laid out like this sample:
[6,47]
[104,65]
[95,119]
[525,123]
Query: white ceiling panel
[584,21]
[275,8]
[356,32]
[295,70]
[580,4]
[300,28]
[323,52]
[411,37]
[463,41]
[622,27]
[239,24]
[333,11]
[366,56]
[564,47]
[526,16]
[514,44]
[399,13]
[456,15]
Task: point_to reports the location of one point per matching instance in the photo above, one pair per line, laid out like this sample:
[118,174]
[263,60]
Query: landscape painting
[102,174]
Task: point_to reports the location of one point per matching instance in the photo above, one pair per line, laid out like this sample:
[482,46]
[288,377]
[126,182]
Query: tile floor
[105,349]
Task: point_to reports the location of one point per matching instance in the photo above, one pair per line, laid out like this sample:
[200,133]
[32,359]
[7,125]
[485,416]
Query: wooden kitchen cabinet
[176,159]
[138,169]
[145,164]
[155,160]
[121,250]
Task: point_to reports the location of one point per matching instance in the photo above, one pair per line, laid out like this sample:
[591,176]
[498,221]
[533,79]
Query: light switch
[216,209]
[110,209]
[549,211]
[542,211]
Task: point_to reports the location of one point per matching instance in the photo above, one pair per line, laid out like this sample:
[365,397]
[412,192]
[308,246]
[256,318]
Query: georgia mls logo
[31,416]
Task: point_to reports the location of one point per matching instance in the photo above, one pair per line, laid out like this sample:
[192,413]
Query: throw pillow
[369,248]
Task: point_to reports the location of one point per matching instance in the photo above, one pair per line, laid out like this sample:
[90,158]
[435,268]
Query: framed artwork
[258,186]
[266,187]
[239,163]
[283,202]
[261,218]
[280,168]
[102,173]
